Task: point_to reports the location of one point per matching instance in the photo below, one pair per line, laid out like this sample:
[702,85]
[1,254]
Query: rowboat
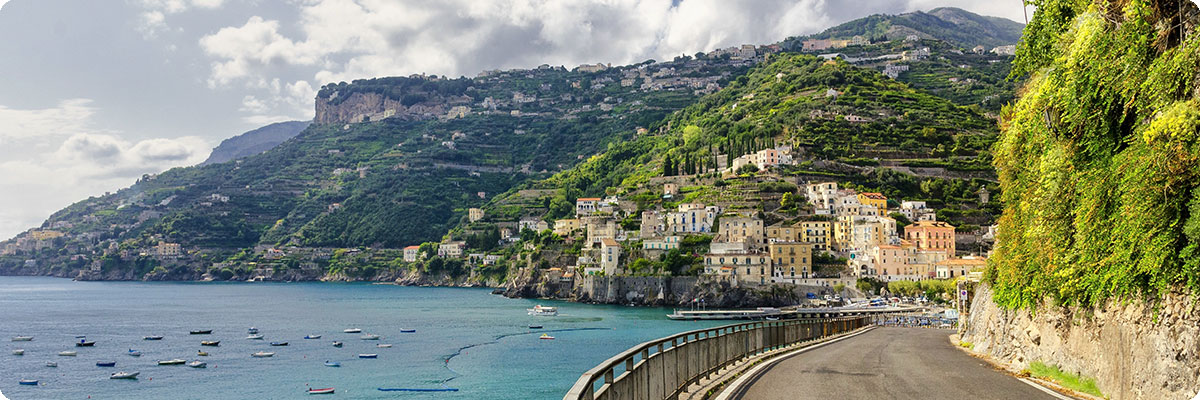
[255,337]
[106,363]
[384,346]
[546,336]
[332,364]
[279,343]
[18,352]
[152,337]
[67,353]
[85,343]
[321,391]
[210,343]
[262,354]
[408,331]
[134,353]
[198,364]
[22,338]
[172,362]
[370,337]
[124,375]
[203,332]
[368,356]
[51,364]
[313,337]
[337,344]
[201,353]
[32,382]
[353,330]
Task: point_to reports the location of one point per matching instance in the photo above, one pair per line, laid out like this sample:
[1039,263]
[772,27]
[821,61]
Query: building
[451,249]
[749,268]
[1006,50]
[475,214]
[410,253]
[670,189]
[818,233]
[791,259]
[610,256]
[877,200]
[822,196]
[783,233]
[742,229]
[587,206]
[692,218]
[956,267]
[663,243]
[652,224]
[931,235]
[858,40]
[599,228]
[917,211]
[165,249]
[564,227]
[892,262]
[532,223]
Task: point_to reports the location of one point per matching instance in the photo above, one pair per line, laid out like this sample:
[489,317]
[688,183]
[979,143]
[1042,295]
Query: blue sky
[95,93]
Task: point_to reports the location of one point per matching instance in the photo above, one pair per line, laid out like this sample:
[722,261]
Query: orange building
[931,235]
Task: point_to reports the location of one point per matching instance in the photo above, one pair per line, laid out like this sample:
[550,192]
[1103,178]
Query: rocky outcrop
[366,107]
[255,141]
[1133,349]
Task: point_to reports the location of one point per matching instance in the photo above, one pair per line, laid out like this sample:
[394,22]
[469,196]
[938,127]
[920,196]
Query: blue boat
[279,343]
[106,363]
[408,331]
[312,336]
[332,364]
[368,356]
[31,382]
[417,390]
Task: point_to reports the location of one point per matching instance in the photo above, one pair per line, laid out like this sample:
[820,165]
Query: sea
[466,339]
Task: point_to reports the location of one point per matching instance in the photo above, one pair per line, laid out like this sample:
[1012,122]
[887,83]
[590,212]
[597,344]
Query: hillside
[255,141]
[959,27]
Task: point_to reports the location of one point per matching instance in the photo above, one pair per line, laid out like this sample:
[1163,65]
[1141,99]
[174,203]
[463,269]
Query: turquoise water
[491,351]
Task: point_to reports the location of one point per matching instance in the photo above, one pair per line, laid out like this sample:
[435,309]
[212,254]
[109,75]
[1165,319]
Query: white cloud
[68,117]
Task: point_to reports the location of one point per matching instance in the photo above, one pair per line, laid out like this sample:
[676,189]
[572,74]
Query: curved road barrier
[662,368]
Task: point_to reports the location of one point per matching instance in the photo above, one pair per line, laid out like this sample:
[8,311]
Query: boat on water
[279,343]
[546,336]
[368,356]
[353,330]
[262,354]
[321,391]
[337,344]
[18,352]
[31,382]
[754,314]
[106,363]
[198,364]
[255,337]
[201,332]
[85,343]
[68,353]
[134,353]
[535,327]
[252,330]
[384,346]
[152,337]
[408,331]
[370,337]
[543,311]
[332,364]
[201,353]
[51,364]
[211,343]
[124,375]
[176,361]
[312,336]
[22,338]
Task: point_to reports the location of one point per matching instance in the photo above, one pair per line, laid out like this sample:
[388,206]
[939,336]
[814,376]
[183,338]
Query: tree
[747,169]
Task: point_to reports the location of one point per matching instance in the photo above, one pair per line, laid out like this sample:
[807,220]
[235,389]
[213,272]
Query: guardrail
[663,368]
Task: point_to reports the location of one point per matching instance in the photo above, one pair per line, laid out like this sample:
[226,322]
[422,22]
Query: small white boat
[200,353]
[353,330]
[176,361]
[31,382]
[546,336]
[337,344]
[255,337]
[384,346]
[152,337]
[134,353]
[198,364]
[22,338]
[19,352]
[252,330]
[124,375]
[332,364]
[68,353]
[262,354]
[370,337]
[312,337]
[543,311]
[321,391]
[51,364]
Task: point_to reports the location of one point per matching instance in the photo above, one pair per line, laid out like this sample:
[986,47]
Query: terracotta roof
[587,199]
[412,247]
[609,242]
[876,196]
[977,262]
[935,224]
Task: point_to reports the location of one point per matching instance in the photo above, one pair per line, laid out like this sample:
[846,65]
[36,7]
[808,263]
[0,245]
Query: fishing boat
[106,363]
[408,331]
[332,364]
[535,327]
[543,311]
[337,344]
[134,353]
[19,352]
[22,338]
[176,361]
[198,364]
[262,354]
[201,332]
[370,337]
[200,353]
[31,382]
[68,353]
[85,343]
[546,336]
[321,391]
[51,364]
[211,343]
[353,330]
[368,356]
[255,337]
[384,346]
[152,337]
[279,343]
[124,375]
[312,336]
[252,330]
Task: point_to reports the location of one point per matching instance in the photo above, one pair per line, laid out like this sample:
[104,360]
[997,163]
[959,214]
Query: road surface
[886,363]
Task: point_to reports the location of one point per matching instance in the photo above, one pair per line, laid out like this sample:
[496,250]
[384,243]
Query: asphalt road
[886,363]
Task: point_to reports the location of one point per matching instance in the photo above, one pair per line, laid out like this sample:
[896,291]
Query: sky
[96,93]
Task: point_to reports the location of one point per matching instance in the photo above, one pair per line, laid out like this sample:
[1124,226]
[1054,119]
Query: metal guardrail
[663,368]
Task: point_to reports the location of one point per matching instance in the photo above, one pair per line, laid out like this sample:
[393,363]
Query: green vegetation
[1068,380]
[950,24]
[1099,161]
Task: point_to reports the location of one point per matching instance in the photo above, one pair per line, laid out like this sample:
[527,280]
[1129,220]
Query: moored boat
[124,375]
[22,338]
[134,353]
[337,344]
[201,332]
[106,363]
[321,391]
[279,343]
[176,361]
[370,337]
[85,343]
[152,337]
[51,364]
[408,331]
[353,330]
[18,352]
[384,346]
[30,382]
[543,311]
[546,336]
[368,356]
[210,343]
[535,327]
[255,337]
[332,364]
[200,353]
[312,336]
[68,353]
[262,354]
[198,364]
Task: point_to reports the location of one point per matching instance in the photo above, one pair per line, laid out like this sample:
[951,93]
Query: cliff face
[1134,351]
[255,141]
[367,107]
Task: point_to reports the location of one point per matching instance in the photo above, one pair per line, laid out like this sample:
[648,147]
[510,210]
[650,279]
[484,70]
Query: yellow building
[877,200]
[818,233]
[791,259]
[783,233]
[564,227]
[45,234]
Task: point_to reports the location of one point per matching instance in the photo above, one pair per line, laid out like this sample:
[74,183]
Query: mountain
[960,27]
[255,141]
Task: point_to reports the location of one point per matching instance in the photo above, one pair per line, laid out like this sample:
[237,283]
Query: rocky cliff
[255,141]
[1133,350]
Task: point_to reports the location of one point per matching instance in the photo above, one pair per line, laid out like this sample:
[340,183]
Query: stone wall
[1134,350]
